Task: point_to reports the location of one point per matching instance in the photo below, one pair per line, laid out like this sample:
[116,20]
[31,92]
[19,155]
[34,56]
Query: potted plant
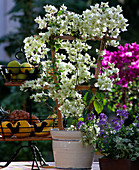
[69,65]
[118,142]
[74,148]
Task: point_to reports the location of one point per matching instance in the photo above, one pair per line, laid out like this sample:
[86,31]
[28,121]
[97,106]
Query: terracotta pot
[68,151]
[120,164]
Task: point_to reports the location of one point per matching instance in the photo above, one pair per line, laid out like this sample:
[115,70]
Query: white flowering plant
[65,34]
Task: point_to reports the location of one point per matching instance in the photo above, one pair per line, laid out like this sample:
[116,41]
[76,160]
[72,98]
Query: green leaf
[81,119]
[98,106]
[104,101]
[113,109]
[60,12]
[109,107]
[88,97]
[61,71]
[93,81]
[57,46]
[92,98]
[100,95]
[85,97]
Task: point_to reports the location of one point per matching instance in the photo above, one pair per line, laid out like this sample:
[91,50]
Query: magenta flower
[124,106]
[118,105]
[126,60]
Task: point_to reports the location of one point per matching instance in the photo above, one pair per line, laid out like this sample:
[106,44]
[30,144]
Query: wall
[6,26]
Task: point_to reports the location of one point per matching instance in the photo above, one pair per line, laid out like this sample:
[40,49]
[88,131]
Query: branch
[70,37]
[99,61]
[60,123]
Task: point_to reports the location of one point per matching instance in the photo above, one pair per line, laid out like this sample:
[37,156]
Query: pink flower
[124,106]
[126,59]
[118,105]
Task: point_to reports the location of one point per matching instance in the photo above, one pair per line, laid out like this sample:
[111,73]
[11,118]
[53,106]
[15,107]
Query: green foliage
[98,106]
[88,97]
[120,144]
[98,100]
[25,12]
[14,100]
[124,96]
[25,154]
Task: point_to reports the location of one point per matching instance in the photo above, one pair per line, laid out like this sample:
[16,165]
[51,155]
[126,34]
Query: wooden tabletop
[27,166]
[33,138]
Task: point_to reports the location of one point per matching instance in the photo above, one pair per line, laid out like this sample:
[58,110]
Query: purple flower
[91,116]
[117,127]
[102,122]
[101,132]
[117,124]
[137,117]
[121,122]
[102,119]
[122,113]
[79,124]
[114,119]
[103,116]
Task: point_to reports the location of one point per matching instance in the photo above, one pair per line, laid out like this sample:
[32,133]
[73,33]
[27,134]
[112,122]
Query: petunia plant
[65,34]
[115,139]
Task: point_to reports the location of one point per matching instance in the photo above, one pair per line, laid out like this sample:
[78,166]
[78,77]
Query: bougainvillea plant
[126,59]
[69,61]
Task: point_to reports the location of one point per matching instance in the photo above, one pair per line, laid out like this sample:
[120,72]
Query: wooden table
[27,165]
[33,138]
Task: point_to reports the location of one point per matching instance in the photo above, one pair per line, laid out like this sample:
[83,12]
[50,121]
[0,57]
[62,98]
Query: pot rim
[115,159]
[56,129]
[65,134]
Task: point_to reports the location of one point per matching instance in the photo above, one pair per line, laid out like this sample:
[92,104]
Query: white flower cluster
[78,65]
[64,22]
[89,133]
[98,21]
[35,48]
[102,20]
[73,67]
[104,81]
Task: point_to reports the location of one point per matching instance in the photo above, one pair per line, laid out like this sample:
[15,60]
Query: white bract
[72,66]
